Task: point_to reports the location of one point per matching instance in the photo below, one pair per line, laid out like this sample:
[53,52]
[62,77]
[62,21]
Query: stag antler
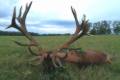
[22,28]
[42,54]
[81,29]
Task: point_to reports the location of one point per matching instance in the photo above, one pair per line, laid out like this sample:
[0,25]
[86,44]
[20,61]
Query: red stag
[63,53]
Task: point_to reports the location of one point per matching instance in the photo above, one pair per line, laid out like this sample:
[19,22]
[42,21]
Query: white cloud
[51,29]
[3,20]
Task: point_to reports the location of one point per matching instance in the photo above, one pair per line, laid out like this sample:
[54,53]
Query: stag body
[86,57]
[58,55]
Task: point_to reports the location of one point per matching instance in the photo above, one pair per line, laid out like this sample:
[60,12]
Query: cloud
[60,22]
[3,14]
[6,7]
[51,29]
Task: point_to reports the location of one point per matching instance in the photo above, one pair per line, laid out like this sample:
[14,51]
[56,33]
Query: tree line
[98,28]
[7,33]
[104,27]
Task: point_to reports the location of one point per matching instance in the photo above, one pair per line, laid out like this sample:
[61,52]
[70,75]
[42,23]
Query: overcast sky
[54,16]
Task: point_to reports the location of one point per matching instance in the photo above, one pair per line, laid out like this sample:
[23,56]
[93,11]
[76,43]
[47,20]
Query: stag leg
[54,63]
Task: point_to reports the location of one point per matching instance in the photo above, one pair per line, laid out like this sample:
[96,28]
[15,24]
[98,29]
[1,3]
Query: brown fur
[88,57]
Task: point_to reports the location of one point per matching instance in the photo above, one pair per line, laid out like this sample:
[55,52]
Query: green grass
[14,60]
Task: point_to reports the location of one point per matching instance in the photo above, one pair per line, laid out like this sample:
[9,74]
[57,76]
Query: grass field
[14,60]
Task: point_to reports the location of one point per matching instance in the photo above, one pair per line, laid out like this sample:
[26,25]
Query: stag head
[63,53]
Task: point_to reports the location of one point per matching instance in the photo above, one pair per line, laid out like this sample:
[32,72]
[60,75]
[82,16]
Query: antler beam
[81,29]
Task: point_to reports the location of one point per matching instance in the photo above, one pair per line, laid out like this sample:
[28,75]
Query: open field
[14,60]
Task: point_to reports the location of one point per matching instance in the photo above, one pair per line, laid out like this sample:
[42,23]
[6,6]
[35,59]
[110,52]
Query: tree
[101,27]
[93,30]
[105,27]
[116,27]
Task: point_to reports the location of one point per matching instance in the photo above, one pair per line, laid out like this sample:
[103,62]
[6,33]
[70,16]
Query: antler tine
[23,44]
[84,25]
[30,50]
[75,16]
[22,18]
[29,47]
[19,16]
[13,22]
[26,10]
[78,28]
